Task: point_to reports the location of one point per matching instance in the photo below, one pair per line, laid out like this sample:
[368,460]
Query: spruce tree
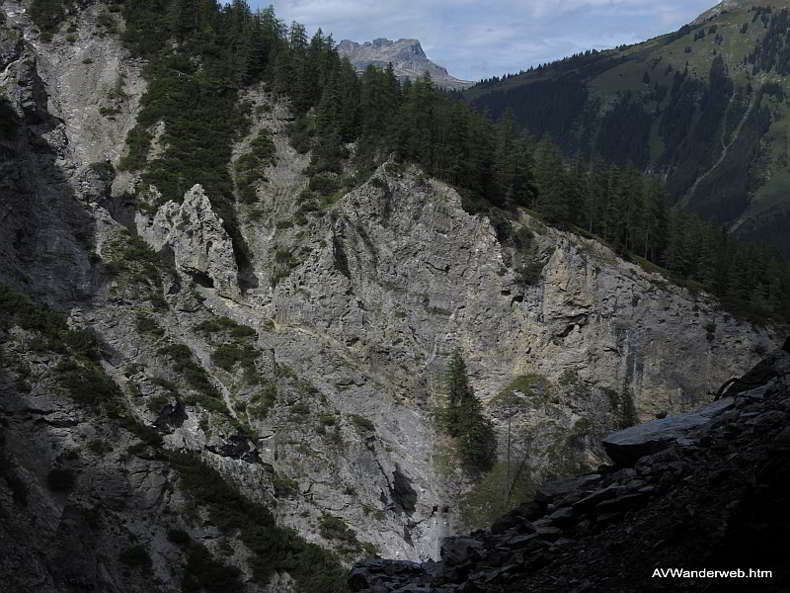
[464,420]
[550,178]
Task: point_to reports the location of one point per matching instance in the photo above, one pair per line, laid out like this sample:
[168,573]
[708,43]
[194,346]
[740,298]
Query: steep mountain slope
[406,56]
[696,493]
[178,412]
[705,106]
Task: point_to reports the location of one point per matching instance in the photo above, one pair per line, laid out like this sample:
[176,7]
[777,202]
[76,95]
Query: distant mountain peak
[407,57]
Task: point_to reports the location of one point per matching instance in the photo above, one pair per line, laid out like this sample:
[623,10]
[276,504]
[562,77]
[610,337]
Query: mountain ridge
[407,57]
[704,107]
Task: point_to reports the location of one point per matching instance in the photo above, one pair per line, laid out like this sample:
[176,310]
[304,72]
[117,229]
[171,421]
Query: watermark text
[704,573]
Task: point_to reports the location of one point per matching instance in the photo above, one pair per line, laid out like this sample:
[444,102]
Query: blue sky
[475,39]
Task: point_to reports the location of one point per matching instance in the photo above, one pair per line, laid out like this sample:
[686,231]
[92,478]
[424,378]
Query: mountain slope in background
[705,106]
[406,56]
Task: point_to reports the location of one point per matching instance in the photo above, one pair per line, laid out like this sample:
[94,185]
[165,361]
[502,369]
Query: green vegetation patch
[362,424]
[224,324]
[262,401]
[239,350]
[519,392]
[273,548]
[498,491]
[48,15]
[131,257]
[148,325]
[250,166]
[86,382]
[205,574]
[194,375]
[228,355]
[462,419]
[335,529]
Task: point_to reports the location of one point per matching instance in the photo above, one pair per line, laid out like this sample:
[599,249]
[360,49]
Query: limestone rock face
[399,274]
[406,56]
[201,247]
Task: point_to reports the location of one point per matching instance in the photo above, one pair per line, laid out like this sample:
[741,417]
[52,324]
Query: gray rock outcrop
[406,56]
[201,247]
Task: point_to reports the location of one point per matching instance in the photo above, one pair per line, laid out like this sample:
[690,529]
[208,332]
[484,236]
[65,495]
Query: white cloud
[475,39]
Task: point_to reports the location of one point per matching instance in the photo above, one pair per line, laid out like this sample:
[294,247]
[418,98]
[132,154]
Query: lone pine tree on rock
[463,420]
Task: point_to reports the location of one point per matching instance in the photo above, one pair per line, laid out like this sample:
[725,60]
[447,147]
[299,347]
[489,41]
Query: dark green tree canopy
[463,419]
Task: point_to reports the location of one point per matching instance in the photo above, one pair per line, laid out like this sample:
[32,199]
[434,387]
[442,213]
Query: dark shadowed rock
[774,365]
[385,574]
[238,447]
[558,488]
[402,493]
[458,550]
[172,416]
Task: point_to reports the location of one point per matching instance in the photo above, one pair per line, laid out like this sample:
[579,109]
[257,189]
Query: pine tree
[550,180]
[505,159]
[463,419]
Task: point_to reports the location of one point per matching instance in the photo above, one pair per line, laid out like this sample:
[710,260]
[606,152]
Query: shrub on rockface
[48,15]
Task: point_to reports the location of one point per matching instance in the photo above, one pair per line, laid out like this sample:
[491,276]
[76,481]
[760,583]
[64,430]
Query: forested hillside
[673,123]
[704,107]
[194,89]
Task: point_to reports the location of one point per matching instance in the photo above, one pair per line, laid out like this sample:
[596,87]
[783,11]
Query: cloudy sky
[475,39]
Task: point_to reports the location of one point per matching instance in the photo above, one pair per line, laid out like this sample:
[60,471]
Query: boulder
[627,446]
[458,550]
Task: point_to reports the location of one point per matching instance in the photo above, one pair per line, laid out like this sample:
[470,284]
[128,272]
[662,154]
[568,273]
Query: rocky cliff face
[311,394]
[691,492]
[406,56]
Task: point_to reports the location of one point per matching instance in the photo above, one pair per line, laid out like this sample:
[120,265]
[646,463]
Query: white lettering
[706,573]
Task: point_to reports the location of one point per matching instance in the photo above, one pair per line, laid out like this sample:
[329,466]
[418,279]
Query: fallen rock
[627,446]
[458,550]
